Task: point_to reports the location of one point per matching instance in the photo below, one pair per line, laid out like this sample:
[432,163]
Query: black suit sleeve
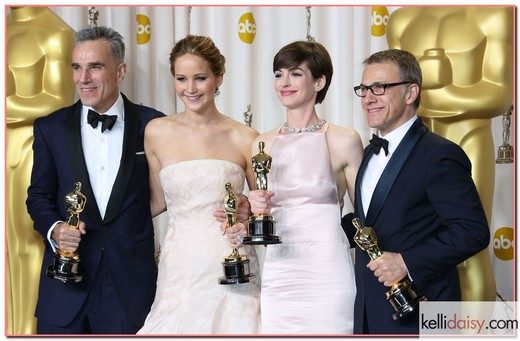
[42,192]
[348,228]
[453,196]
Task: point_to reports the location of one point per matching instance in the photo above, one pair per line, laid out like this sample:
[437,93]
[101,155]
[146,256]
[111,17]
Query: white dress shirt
[102,152]
[377,163]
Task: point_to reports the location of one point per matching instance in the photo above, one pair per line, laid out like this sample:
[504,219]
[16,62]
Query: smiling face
[195,83]
[392,109]
[97,74]
[296,87]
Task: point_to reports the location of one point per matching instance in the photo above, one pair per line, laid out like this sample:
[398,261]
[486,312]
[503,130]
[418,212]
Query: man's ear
[412,93]
[121,72]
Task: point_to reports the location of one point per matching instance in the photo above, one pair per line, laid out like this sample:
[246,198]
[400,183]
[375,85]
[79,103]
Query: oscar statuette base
[261,229]
[505,154]
[236,270]
[403,299]
[65,269]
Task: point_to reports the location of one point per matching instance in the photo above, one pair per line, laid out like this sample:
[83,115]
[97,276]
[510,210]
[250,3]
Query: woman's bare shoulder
[267,138]
[343,135]
[160,126]
[244,130]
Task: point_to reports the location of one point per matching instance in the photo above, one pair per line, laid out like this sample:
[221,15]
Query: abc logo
[247,28]
[144,29]
[503,243]
[379,20]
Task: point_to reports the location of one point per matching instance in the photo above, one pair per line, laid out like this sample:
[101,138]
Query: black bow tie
[376,143]
[107,121]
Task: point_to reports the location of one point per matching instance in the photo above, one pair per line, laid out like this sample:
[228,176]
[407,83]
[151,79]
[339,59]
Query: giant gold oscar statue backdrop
[39,81]
[466,56]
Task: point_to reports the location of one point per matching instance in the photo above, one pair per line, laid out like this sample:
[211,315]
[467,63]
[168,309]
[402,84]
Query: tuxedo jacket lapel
[358,203]
[77,160]
[392,169]
[130,138]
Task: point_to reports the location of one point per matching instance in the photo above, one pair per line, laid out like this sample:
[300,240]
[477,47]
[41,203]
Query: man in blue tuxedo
[97,141]
[414,188]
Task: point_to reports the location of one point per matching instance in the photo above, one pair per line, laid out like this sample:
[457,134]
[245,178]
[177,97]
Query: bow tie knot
[107,121]
[376,143]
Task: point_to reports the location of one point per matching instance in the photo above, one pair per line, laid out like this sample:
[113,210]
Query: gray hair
[409,68]
[103,32]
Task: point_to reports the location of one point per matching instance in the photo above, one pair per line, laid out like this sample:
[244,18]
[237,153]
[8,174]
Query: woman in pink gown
[308,284]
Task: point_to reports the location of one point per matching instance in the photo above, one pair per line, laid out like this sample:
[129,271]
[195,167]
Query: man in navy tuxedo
[97,141]
[415,190]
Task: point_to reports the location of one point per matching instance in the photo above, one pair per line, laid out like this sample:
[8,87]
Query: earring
[217,92]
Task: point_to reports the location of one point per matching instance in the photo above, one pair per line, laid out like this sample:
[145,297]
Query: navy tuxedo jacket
[426,207]
[125,237]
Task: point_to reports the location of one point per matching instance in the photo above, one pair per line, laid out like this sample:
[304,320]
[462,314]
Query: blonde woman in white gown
[192,155]
[308,282]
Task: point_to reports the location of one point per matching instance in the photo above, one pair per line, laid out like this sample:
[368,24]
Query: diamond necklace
[290,130]
[204,123]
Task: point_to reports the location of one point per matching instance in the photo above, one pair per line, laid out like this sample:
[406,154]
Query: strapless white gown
[308,284]
[189,299]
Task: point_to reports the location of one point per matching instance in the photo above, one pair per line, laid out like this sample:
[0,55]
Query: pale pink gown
[308,284]
[189,299]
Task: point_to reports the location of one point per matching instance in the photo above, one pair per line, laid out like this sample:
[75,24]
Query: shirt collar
[118,108]
[395,136]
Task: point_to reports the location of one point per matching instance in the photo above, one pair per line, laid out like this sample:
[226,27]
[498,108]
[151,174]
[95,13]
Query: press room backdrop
[249,37]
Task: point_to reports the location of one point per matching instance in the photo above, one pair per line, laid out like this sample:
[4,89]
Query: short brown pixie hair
[313,54]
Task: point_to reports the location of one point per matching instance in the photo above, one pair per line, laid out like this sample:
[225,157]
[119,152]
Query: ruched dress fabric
[308,284]
[189,299]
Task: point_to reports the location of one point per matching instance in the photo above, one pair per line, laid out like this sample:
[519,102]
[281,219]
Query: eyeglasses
[377,89]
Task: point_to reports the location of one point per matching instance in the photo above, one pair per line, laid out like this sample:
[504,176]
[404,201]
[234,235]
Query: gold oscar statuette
[466,54]
[38,80]
[93,16]
[261,227]
[65,267]
[248,116]
[235,266]
[401,295]
[505,151]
